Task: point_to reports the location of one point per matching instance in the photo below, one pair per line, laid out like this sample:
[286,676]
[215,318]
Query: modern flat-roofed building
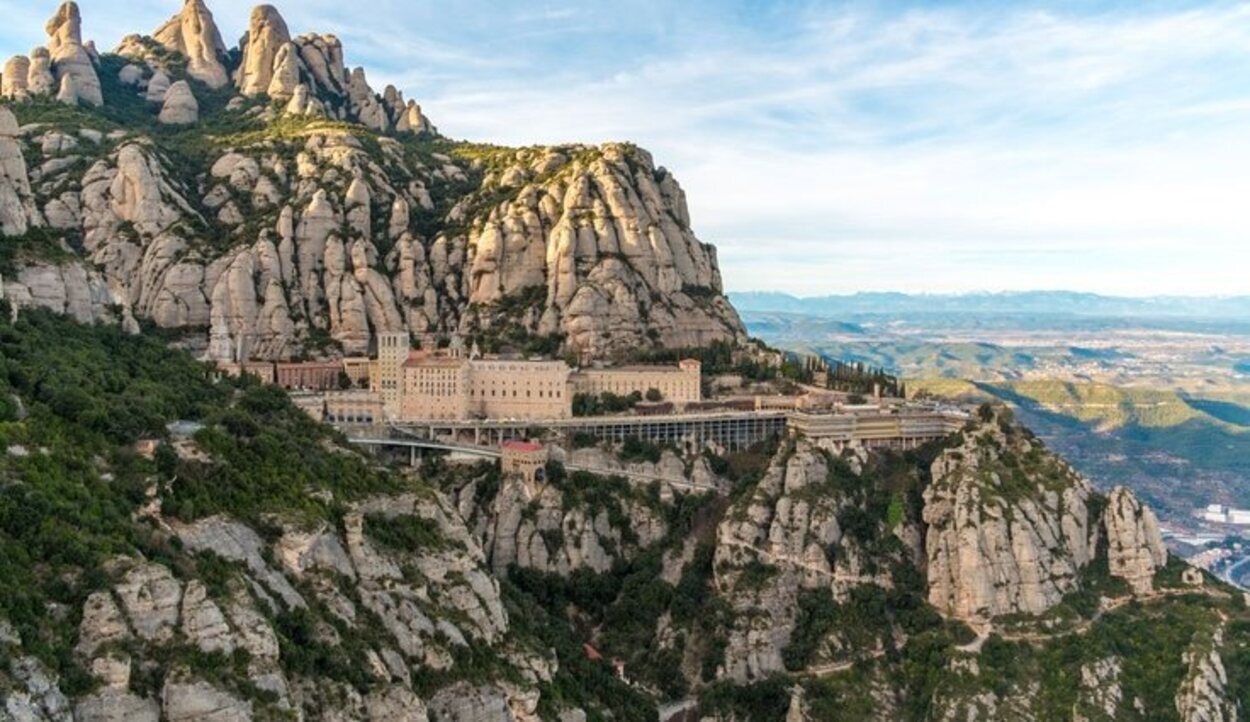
[680,384]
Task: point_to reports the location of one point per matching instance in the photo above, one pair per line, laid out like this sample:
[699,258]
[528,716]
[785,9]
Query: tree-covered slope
[254,565]
[248,562]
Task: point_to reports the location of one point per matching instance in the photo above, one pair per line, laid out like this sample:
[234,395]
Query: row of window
[528,394]
[349,419]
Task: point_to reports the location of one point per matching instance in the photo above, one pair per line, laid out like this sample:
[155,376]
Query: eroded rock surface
[1003,540]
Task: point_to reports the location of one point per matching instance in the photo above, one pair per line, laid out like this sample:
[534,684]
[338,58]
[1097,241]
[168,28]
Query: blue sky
[835,147]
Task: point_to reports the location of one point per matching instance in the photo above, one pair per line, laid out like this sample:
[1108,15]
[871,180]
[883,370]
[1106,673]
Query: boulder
[180,107]
[364,103]
[286,74]
[40,80]
[15,82]
[412,120]
[131,75]
[158,85]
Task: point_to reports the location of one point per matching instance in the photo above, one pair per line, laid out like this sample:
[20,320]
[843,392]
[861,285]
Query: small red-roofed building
[526,460]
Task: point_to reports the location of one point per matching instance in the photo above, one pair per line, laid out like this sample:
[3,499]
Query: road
[1232,575]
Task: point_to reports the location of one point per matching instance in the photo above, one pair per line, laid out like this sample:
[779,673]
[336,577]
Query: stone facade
[393,350]
[358,369]
[361,408]
[313,376]
[516,389]
[435,388]
[525,460]
[680,384]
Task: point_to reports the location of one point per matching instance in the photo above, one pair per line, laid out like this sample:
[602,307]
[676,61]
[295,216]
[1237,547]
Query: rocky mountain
[266,201]
[176,545]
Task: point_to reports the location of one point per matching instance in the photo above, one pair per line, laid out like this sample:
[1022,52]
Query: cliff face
[1002,539]
[1011,529]
[799,531]
[418,611]
[297,206]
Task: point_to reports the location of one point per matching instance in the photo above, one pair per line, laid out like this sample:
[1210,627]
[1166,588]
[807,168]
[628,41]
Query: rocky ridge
[299,211]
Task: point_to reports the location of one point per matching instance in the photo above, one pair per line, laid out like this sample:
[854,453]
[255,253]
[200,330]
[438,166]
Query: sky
[834,147]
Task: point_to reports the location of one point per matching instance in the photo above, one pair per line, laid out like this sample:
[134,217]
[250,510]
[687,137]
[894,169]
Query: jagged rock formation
[788,531]
[548,528]
[1001,542]
[1010,529]
[40,80]
[193,33]
[14,83]
[266,36]
[1135,549]
[352,230]
[429,604]
[349,593]
[66,67]
[1205,696]
[71,61]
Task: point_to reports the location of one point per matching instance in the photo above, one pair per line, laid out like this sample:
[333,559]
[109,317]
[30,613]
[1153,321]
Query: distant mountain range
[1006,303]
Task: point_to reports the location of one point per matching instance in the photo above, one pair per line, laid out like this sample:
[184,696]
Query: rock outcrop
[15,196]
[194,34]
[1135,549]
[550,528]
[1002,539]
[1011,528]
[421,607]
[180,106]
[14,83]
[71,61]
[40,80]
[267,35]
[1204,695]
[784,539]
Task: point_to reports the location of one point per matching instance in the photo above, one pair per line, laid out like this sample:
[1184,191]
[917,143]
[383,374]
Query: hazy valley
[1154,393]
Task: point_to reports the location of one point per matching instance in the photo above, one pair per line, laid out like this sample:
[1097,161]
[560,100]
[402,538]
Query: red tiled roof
[527,446]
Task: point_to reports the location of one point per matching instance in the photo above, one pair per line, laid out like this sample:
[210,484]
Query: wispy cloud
[834,147]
